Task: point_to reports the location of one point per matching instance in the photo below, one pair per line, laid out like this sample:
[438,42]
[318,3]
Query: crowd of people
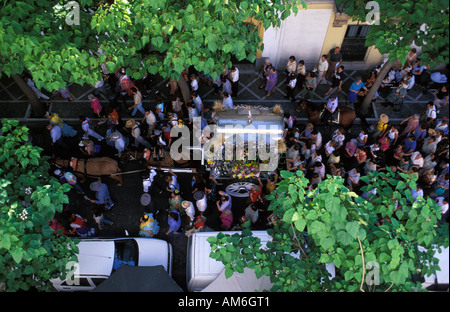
[417,146]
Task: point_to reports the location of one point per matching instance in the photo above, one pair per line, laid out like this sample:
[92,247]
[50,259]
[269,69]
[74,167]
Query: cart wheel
[239,189]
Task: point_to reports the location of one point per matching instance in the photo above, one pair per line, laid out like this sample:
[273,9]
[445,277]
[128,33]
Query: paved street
[128,209]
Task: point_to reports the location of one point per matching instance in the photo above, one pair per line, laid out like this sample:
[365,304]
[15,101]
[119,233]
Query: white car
[99,258]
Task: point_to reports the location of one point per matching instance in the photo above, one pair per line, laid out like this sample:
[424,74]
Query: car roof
[95,257]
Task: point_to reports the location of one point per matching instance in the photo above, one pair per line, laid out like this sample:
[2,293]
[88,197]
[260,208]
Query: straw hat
[130,123]
[186,204]
[384,118]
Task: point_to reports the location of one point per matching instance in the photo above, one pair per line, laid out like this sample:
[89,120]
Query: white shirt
[411,82]
[339,138]
[228,103]
[150,119]
[318,141]
[431,112]
[194,84]
[444,207]
[417,162]
[323,66]
[332,105]
[234,75]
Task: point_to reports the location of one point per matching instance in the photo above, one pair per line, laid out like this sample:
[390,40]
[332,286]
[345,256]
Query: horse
[346,115]
[92,167]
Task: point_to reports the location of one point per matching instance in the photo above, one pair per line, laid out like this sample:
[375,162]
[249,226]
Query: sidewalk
[14,105]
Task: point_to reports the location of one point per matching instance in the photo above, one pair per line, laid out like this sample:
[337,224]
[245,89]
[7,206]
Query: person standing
[336,81]
[227,101]
[291,66]
[150,121]
[234,79]
[334,59]
[355,87]
[174,222]
[272,79]
[321,67]
[290,86]
[330,108]
[301,74]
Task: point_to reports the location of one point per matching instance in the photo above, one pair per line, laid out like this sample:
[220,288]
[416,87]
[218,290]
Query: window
[353,47]
[126,252]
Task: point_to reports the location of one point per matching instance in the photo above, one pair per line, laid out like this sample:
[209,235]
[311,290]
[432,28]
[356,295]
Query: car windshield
[126,252]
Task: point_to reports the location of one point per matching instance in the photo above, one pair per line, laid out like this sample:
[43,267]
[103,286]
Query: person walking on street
[86,127]
[102,195]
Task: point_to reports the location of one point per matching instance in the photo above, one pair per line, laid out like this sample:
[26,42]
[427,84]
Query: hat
[130,123]
[384,118]
[144,218]
[157,132]
[95,186]
[115,136]
[57,172]
[186,204]
[199,195]
[145,199]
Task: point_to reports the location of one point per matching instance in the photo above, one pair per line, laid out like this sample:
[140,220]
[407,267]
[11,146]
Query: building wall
[309,35]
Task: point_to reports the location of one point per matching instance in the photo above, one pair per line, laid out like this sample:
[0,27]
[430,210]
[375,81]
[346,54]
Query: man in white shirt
[411,80]
[150,120]
[322,67]
[417,160]
[227,101]
[198,103]
[317,137]
[234,78]
[330,109]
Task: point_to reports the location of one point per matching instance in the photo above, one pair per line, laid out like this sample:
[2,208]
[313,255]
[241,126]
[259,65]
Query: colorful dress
[150,225]
[272,79]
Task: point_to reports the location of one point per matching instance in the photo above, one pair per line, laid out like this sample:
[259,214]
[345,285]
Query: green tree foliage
[30,253]
[400,24]
[372,243]
[158,36]
[403,22]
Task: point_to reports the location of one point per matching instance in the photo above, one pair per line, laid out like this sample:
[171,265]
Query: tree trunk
[185,90]
[364,107]
[37,108]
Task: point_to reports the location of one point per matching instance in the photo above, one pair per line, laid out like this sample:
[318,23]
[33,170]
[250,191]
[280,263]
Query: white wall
[302,36]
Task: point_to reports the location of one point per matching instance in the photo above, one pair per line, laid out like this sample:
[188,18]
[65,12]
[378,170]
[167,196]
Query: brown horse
[93,167]
[346,115]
